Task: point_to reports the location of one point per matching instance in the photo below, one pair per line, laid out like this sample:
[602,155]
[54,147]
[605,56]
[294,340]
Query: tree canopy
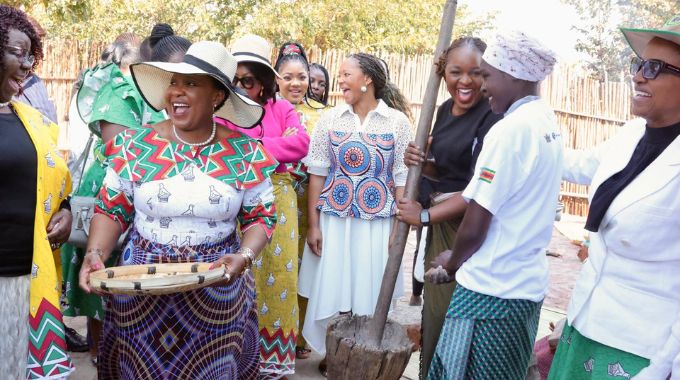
[608,53]
[391,25]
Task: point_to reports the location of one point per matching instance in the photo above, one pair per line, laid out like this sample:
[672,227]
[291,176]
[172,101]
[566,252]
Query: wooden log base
[350,356]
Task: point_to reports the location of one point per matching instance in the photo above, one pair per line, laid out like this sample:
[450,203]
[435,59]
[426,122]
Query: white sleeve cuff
[400,178]
[318,170]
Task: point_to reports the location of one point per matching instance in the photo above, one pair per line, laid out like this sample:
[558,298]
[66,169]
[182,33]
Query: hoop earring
[364,89]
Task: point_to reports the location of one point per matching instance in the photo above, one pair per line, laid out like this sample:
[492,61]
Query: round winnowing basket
[156,279]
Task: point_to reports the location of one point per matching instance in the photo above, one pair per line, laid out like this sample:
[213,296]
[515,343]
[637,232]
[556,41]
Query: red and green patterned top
[176,193]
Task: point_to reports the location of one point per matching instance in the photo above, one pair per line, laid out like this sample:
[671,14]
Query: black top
[456,143]
[18,173]
[654,141]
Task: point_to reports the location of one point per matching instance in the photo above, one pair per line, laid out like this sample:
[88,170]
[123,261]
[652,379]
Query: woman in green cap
[624,317]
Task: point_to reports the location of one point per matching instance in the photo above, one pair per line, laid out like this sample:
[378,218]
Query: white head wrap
[520,56]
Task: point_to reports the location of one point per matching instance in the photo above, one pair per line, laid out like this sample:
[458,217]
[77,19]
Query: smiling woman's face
[14,67]
[463,77]
[351,79]
[500,87]
[658,100]
[294,81]
[190,100]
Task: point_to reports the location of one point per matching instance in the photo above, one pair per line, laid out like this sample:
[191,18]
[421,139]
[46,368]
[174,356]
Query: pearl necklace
[202,143]
[4,104]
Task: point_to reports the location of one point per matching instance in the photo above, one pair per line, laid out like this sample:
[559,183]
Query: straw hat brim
[639,38]
[251,57]
[153,78]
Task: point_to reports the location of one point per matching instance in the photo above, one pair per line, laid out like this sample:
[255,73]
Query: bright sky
[547,20]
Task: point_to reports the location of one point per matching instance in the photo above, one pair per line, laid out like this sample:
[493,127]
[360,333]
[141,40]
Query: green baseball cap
[639,38]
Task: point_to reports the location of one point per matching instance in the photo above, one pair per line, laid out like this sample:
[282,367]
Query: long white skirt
[348,274]
[14,305]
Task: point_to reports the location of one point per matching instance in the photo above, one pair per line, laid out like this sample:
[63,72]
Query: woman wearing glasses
[624,316]
[276,272]
[35,218]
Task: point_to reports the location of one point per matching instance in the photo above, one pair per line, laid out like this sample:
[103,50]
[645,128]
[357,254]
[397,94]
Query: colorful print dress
[309,111]
[106,95]
[363,165]
[185,204]
[47,356]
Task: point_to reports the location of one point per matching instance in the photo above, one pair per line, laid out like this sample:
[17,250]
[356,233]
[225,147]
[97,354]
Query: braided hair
[158,31]
[324,97]
[168,47]
[291,51]
[384,89]
[471,42]
[12,18]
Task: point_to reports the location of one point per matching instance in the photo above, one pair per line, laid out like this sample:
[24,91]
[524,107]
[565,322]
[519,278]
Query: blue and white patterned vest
[360,182]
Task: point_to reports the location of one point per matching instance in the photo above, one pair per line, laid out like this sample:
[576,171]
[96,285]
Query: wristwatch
[425,217]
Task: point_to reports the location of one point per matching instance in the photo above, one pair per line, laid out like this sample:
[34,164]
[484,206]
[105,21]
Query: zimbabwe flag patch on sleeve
[486,175]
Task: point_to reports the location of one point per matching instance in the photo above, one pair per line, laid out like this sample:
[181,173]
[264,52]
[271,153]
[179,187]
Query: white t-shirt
[517,179]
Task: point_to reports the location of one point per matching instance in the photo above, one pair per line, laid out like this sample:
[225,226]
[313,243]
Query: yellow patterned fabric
[276,273]
[309,112]
[47,356]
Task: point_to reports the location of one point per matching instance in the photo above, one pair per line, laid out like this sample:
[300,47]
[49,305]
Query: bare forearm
[399,192]
[314,191]
[430,171]
[451,208]
[254,238]
[103,236]
[470,236]
[110,130]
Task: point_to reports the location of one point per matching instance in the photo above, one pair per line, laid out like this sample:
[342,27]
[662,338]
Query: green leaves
[402,26]
[608,54]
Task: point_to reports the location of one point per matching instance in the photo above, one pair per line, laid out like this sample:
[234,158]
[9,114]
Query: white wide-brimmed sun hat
[252,48]
[207,58]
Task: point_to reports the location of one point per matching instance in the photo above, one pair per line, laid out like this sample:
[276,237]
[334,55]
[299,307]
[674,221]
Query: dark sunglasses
[651,68]
[246,82]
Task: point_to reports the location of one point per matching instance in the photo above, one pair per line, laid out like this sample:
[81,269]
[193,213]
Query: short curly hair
[12,18]
[472,42]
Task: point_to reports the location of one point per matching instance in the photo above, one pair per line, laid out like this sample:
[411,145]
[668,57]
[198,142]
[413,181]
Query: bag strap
[82,160]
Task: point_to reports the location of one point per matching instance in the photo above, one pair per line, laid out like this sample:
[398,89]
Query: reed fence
[587,110]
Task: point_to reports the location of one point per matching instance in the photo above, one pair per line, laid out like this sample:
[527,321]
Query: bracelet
[93,252]
[249,256]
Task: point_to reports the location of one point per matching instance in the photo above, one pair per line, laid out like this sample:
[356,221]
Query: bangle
[95,252]
[248,255]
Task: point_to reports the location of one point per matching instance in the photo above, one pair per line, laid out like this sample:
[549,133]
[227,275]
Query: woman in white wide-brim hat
[183,186]
[276,272]
[623,320]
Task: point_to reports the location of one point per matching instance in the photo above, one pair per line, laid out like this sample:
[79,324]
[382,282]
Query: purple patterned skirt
[210,333]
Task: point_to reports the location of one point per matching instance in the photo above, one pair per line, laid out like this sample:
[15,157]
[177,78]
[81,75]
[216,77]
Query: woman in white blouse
[356,171]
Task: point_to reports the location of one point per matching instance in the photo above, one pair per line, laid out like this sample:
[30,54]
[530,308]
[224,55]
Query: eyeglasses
[246,82]
[651,68]
[22,55]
